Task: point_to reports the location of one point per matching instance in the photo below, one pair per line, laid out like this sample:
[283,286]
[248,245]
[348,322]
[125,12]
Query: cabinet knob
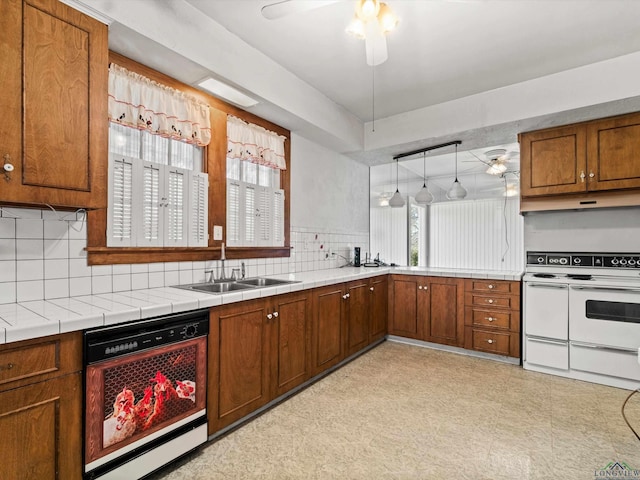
[8,366]
[582,176]
[419,287]
[491,286]
[269,316]
[345,296]
[275,314]
[489,341]
[371,288]
[491,319]
[490,300]
[591,174]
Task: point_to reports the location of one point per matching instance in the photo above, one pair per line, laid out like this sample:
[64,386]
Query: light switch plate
[217,232]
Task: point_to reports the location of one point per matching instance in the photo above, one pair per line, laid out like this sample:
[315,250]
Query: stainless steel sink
[216,287]
[264,282]
[233,286]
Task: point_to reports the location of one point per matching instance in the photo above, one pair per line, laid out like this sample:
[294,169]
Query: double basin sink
[235,285]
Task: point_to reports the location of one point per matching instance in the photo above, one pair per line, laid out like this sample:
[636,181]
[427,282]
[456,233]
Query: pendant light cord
[424,169]
[457,163]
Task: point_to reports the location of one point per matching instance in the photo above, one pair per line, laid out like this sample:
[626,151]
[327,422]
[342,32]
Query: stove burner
[544,275]
[579,277]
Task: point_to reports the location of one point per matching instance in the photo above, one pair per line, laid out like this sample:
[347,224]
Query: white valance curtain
[247,141]
[141,103]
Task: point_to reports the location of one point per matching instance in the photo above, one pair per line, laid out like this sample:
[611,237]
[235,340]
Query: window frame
[215,165]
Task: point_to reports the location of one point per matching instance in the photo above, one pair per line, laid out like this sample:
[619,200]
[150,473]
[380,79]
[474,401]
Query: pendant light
[424,196]
[457,191]
[396,201]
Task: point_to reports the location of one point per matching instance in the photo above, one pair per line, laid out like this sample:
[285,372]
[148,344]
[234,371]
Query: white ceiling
[441,50]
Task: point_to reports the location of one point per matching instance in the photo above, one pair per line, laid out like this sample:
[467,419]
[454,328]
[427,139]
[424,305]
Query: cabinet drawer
[547,353]
[26,362]
[604,360]
[498,286]
[511,302]
[492,342]
[489,318]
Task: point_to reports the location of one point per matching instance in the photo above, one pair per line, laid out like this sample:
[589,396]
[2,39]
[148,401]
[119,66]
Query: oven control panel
[591,260]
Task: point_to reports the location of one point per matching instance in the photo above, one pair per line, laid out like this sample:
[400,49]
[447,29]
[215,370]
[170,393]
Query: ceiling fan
[497,160]
[372,21]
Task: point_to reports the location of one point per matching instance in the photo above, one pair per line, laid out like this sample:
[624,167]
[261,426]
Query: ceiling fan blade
[375,45]
[287,7]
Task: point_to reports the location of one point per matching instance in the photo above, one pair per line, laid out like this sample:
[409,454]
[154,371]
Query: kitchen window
[157,190]
[255,201]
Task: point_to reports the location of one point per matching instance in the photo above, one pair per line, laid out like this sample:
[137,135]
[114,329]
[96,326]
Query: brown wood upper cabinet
[258,350]
[592,156]
[54,105]
[427,308]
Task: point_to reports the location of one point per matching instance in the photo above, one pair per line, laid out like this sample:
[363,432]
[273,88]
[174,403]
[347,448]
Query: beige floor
[405,412]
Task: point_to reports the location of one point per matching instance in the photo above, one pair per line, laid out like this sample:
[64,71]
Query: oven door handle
[547,285]
[627,351]
[605,289]
[544,340]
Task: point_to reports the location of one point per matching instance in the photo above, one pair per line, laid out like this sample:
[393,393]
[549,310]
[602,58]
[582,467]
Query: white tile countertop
[27,320]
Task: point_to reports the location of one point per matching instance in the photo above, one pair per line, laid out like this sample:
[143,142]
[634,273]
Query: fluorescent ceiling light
[227,92]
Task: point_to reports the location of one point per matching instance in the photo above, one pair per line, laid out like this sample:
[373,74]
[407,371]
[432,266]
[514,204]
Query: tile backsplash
[42,256]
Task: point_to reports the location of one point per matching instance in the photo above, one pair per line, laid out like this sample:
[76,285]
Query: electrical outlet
[217,232]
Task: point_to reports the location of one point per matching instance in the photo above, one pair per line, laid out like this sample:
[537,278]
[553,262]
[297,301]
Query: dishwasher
[145,394]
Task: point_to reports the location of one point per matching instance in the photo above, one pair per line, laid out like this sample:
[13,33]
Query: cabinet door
[613,153]
[404,312]
[378,308]
[41,427]
[238,362]
[357,316]
[327,345]
[445,319]
[54,104]
[553,161]
[290,363]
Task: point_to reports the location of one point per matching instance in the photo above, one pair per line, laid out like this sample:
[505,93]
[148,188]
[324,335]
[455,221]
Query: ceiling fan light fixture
[496,168]
[357,28]
[368,9]
[387,19]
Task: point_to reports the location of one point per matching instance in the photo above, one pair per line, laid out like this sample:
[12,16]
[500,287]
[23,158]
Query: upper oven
[605,315]
[145,394]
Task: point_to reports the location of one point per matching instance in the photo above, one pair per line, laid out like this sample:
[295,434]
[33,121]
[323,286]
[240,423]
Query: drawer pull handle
[491,286]
[491,319]
[489,341]
[8,366]
[490,300]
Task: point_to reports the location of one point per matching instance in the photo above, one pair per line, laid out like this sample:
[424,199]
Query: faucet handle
[210,272]
[235,272]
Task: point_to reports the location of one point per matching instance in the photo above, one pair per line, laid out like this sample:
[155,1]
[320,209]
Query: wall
[42,252]
[471,234]
[602,230]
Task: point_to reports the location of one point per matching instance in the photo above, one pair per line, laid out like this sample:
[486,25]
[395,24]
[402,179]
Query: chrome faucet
[242,270]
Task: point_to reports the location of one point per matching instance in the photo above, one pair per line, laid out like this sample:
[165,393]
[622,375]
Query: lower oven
[604,325]
[145,394]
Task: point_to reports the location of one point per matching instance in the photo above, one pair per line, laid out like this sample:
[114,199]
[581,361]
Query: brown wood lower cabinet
[378,307]
[427,308]
[492,316]
[41,408]
[327,335]
[258,350]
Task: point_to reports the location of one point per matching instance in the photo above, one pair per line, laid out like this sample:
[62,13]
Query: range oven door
[608,316]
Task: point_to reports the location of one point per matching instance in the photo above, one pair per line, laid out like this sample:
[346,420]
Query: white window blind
[151,218]
[255,213]
[155,203]
[198,226]
[120,222]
